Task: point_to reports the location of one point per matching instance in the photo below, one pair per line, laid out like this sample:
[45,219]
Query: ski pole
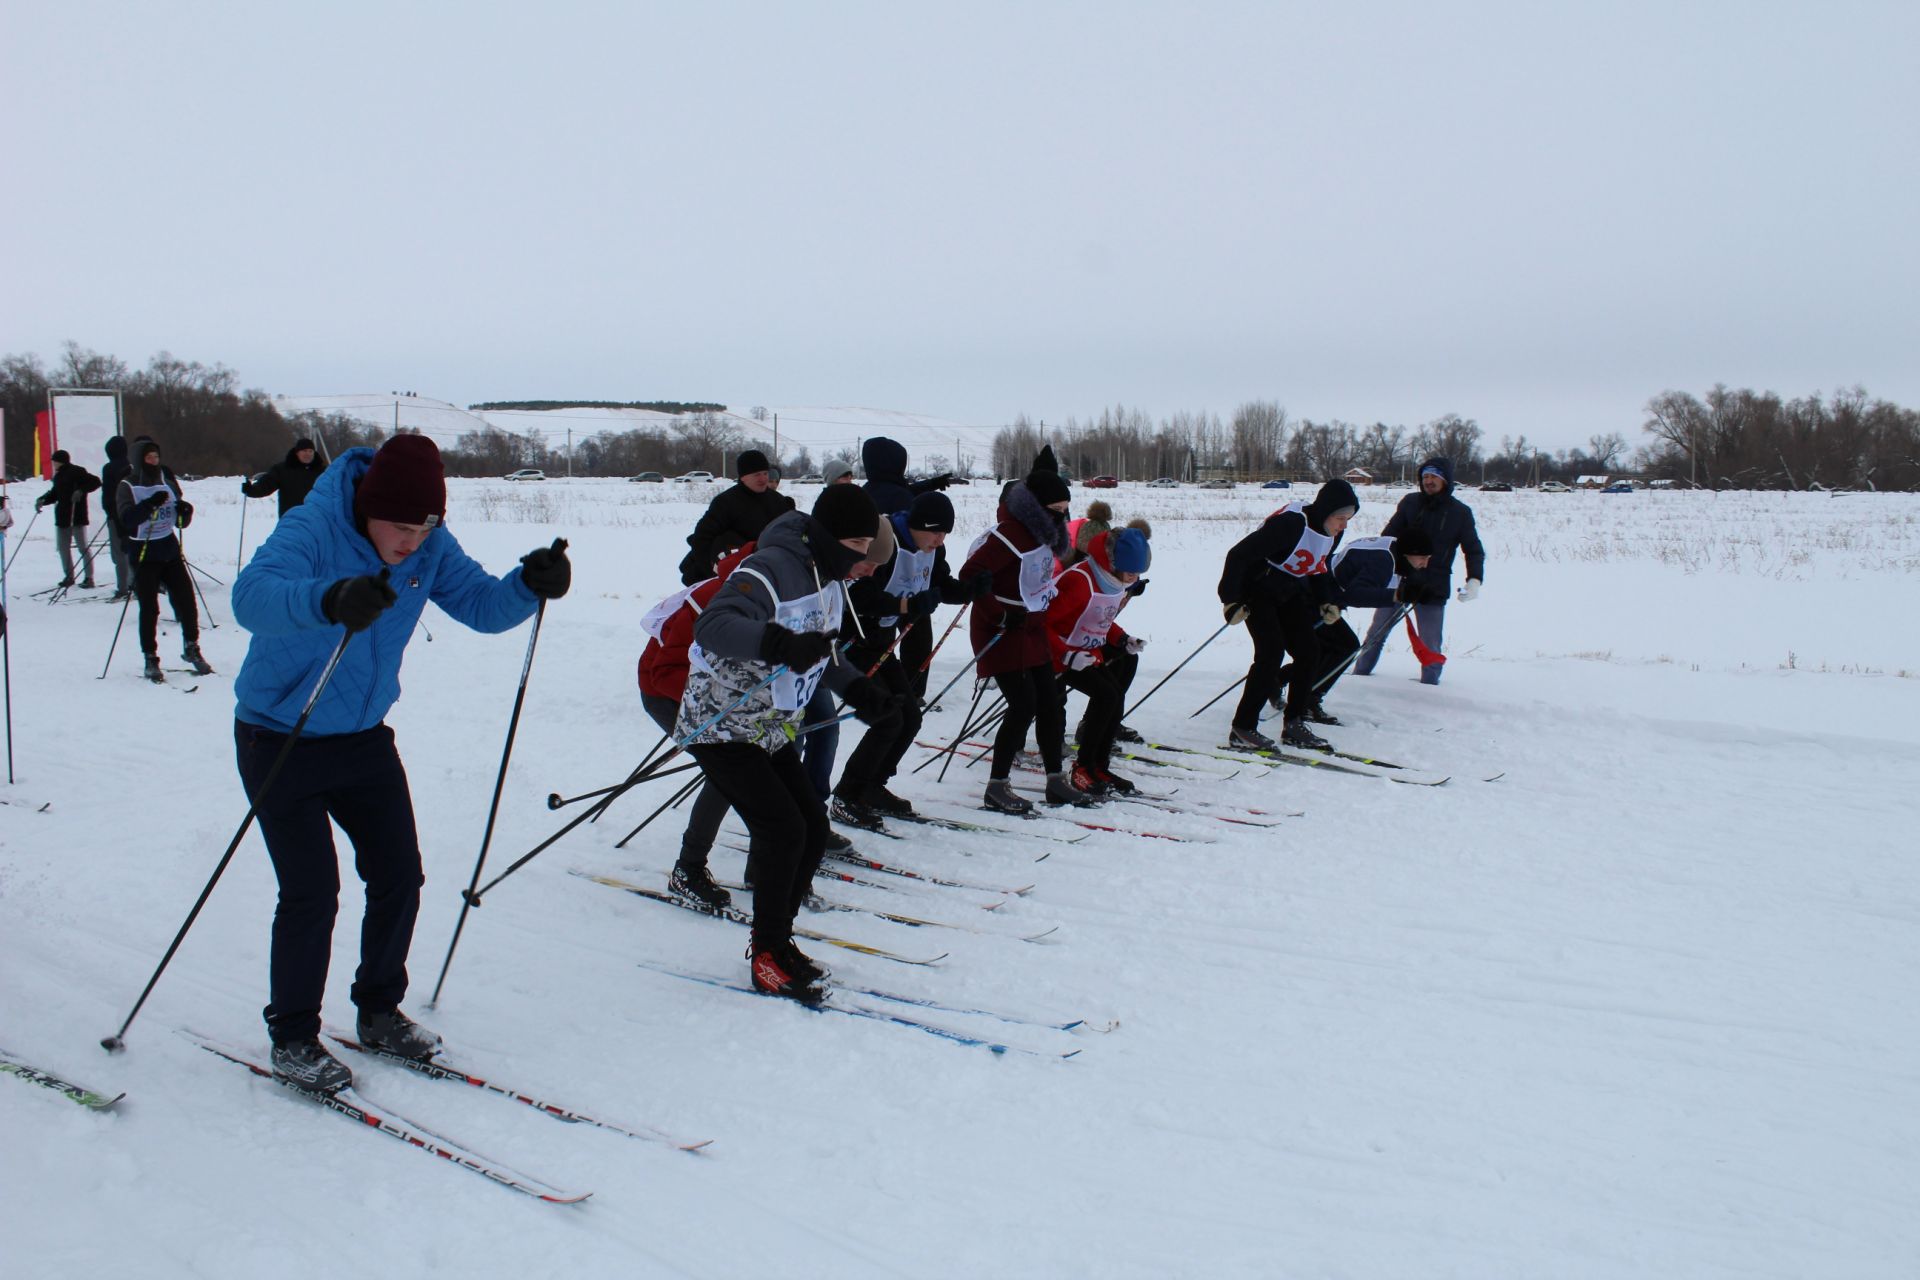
[898,636]
[23,538]
[6,645]
[212,622]
[1223,693]
[671,802]
[499,785]
[935,699]
[1354,657]
[557,801]
[979,691]
[124,606]
[117,1041]
[928,664]
[240,551]
[1176,671]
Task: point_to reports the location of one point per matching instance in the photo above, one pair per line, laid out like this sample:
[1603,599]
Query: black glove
[934,484]
[247,482]
[1138,589]
[872,701]
[923,603]
[1014,618]
[547,572]
[183,513]
[795,650]
[979,584]
[152,503]
[355,602]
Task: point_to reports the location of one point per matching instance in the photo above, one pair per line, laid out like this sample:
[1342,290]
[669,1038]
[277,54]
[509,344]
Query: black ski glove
[979,584]
[547,572]
[183,513]
[932,484]
[1138,589]
[1014,618]
[355,602]
[872,701]
[923,603]
[795,650]
[152,503]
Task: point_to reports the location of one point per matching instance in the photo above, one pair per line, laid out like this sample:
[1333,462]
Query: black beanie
[1049,488]
[932,512]
[302,443]
[846,510]
[61,455]
[751,461]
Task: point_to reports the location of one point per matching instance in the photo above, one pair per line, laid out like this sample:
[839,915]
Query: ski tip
[692,1147]
[1495,778]
[565,1197]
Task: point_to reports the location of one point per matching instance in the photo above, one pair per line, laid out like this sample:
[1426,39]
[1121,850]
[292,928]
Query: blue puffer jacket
[277,598]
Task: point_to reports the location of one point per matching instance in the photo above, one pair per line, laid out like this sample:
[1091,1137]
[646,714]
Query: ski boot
[152,669]
[774,974]
[1250,740]
[1060,790]
[395,1033]
[1002,798]
[1296,734]
[804,966]
[1089,780]
[837,843]
[854,814]
[194,658]
[1113,782]
[1124,734]
[1318,714]
[307,1066]
[878,798]
[694,883]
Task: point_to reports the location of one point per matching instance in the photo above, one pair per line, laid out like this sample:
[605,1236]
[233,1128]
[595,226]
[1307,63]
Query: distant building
[1358,475]
[1590,482]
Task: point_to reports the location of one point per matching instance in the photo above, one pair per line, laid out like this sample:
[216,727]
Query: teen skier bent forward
[1090,651]
[763,646]
[319,571]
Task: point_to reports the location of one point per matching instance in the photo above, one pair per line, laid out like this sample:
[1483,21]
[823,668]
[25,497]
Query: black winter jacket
[734,518]
[1447,521]
[116,470]
[1249,566]
[292,480]
[886,466]
[68,497]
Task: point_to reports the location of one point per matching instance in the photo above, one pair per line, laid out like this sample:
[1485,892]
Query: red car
[1102,482]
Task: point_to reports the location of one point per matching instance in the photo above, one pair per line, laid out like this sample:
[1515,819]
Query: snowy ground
[1643,1007]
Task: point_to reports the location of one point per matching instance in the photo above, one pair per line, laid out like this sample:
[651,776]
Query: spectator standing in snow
[734,518]
[885,461]
[116,469]
[1448,524]
[292,477]
[366,552]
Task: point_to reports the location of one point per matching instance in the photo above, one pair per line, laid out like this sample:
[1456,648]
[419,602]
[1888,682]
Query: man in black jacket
[734,518]
[1448,524]
[111,475]
[68,498]
[292,477]
[885,461]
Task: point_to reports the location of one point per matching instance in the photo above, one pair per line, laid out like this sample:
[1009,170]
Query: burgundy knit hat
[405,484]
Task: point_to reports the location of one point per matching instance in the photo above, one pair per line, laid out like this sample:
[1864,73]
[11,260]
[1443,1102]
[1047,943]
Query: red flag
[43,445]
[1428,657]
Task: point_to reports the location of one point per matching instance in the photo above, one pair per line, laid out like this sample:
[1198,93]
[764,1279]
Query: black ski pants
[149,575]
[1337,643]
[357,781]
[915,648]
[1105,693]
[1280,625]
[877,758]
[1034,699]
[709,806]
[786,827]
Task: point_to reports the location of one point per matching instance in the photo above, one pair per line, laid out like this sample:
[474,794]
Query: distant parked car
[1554,486]
[1619,486]
[693,477]
[1496,486]
[1278,484]
[1164,482]
[958,480]
[647,477]
[527,473]
[1102,482]
[812,477]
[1216,484]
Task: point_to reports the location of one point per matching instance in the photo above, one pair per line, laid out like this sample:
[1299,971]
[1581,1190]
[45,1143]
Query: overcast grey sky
[1534,215]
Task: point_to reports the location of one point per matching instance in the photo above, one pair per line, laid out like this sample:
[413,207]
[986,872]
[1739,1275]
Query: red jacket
[1076,588]
[1026,644]
[663,663]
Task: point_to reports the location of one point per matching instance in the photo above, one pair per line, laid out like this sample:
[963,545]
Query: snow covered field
[1642,1007]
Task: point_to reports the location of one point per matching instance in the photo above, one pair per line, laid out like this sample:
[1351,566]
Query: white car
[1164,482]
[693,477]
[527,473]
[1554,486]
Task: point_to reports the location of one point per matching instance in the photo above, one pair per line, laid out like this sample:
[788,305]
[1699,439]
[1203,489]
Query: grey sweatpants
[66,537]
[1429,620]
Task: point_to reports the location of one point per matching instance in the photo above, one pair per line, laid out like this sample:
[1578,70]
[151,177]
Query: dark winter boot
[305,1065]
[854,814]
[1317,714]
[1060,790]
[1250,740]
[1115,784]
[152,670]
[1124,734]
[773,974]
[1296,734]
[837,843]
[397,1034]
[1002,798]
[878,797]
[201,667]
[695,884]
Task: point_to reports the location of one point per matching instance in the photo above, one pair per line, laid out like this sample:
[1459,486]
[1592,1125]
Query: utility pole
[569,453]
[776,439]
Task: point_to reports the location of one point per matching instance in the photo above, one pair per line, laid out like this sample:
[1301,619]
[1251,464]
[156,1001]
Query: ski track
[1641,1007]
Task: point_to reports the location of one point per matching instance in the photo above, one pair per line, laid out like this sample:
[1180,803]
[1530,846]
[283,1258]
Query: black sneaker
[853,814]
[1124,734]
[877,797]
[1296,734]
[89,585]
[152,669]
[695,884]
[1002,798]
[1320,715]
[1060,790]
[395,1033]
[194,659]
[773,976]
[1250,740]
[304,1064]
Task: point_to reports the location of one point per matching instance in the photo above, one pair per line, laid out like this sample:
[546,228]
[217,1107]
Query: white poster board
[83,422]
